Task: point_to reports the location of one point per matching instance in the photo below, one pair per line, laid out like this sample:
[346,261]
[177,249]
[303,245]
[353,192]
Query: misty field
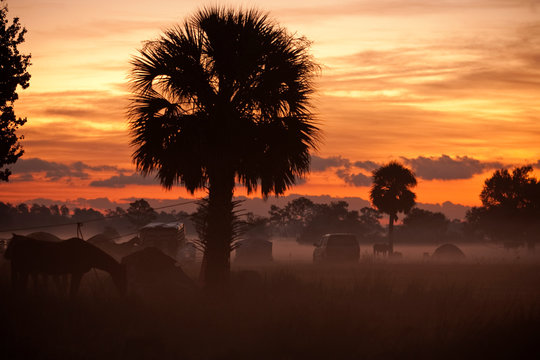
[376,309]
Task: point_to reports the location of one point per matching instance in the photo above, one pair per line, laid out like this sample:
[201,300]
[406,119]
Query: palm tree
[391,194]
[223,98]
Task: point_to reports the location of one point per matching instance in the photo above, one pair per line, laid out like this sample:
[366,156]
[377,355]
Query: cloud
[397,8]
[25,168]
[367,165]
[447,168]
[357,179]
[321,164]
[443,167]
[53,170]
[24,177]
[451,210]
[102,106]
[120,181]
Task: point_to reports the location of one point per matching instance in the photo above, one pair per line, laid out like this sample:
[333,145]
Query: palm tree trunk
[391,233]
[220,230]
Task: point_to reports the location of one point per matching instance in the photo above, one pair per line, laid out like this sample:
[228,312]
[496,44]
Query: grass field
[370,310]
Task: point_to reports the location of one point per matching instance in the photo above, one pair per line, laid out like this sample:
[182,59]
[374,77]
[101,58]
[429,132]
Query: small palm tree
[391,194]
[222,99]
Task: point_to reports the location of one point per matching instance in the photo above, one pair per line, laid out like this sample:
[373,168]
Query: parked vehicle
[336,248]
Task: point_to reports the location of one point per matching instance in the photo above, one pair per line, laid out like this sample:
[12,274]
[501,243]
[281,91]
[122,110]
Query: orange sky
[449,88]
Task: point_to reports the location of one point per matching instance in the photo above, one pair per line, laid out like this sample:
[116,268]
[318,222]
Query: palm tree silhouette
[390,193]
[223,98]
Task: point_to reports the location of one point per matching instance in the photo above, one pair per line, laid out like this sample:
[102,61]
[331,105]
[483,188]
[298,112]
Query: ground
[376,309]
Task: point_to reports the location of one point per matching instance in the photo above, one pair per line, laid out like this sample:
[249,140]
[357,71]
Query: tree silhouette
[391,194]
[424,225]
[222,99]
[12,74]
[510,206]
[140,213]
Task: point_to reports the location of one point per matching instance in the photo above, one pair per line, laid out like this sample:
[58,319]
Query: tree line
[57,218]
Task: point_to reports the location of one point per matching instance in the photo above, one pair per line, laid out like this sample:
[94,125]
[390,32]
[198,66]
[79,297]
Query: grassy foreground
[367,311]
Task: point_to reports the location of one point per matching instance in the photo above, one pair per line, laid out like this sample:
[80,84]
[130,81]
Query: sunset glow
[449,88]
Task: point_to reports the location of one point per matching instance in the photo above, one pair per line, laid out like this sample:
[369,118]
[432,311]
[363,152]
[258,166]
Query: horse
[381,249]
[73,257]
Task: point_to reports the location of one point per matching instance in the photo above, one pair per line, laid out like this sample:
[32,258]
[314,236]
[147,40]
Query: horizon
[255,205]
[447,88]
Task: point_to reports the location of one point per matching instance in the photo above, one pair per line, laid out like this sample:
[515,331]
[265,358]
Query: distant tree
[55,209]
[64,210]
[256,226]
[223,98]
[84,215]
[140,213]
[166,217]
[424,225]
[294,217]
[308,221]
[370,222]
[40,210]
[118,212]
[510,206]
[330,218]
[515,190]
[22,208]
[8,214]
[12,74]
[391,194]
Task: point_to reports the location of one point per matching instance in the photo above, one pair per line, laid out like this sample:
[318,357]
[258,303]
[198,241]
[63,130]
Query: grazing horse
[381,249]
[73,256]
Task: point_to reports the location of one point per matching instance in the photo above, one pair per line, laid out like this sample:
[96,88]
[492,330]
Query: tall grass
[366,311]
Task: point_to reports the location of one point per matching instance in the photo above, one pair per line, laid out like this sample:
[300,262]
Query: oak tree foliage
[13,73]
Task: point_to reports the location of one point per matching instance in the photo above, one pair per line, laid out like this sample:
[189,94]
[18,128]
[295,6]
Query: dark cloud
[443,167]
[367,165]
[79,165]
[447,168]
[120,181]
[321,164]
[23,177]
[53,170]
[24,168]
[300,181]
[358,179]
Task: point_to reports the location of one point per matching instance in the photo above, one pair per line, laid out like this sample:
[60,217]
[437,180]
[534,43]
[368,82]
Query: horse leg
[75,282]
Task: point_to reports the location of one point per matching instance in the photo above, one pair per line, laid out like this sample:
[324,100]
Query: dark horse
[73,257]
